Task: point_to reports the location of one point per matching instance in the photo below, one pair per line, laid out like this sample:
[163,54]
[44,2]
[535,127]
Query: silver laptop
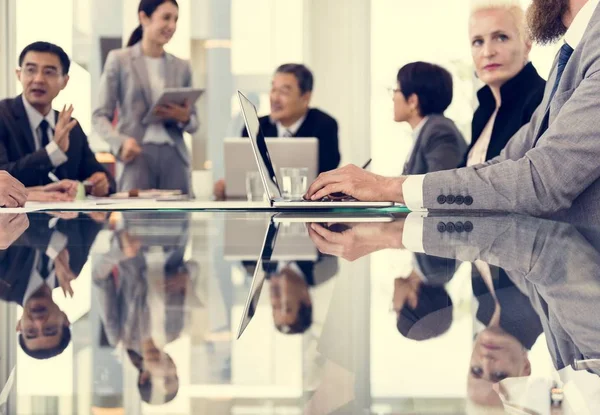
[259,277]
[267,171]
[242,238]
[285,152]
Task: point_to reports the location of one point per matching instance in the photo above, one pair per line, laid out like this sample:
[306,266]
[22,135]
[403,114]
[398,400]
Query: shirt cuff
[57,156]
[412,236]
[58,242]
[412,190]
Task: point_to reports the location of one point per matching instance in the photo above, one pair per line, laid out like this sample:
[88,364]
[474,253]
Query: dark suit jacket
[19,157]
[440,146]
[520,97]
[16,263]
[317,124]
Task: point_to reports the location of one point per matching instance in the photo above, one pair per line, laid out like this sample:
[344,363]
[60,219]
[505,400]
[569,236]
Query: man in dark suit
[291,116]
[36,140]
[51,253]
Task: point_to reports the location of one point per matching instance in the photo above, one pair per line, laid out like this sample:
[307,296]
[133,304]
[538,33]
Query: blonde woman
[500,47]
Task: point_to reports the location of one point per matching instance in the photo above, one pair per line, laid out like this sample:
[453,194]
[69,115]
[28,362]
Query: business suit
[550,262]
[125,85]
[31,167]
[17,262]
[520,97]
[439,146]
[542,171]
[316,124]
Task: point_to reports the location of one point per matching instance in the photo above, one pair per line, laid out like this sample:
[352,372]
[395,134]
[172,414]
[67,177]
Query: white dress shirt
[293,129]
[56,155]
[156,133]
[58,242]
[412,188]
[478,153]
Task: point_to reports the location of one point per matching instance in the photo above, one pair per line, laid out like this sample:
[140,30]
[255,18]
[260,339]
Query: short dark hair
[145,391]
[304,76]
[48,353]
[431,83]
[302,323]
[431,318]
[46,47]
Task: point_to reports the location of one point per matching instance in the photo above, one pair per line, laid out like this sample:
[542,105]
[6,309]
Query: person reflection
[141,285]
[49,254]
[507,326]
[289,291]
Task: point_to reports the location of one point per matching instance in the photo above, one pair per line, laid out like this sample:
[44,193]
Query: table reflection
[168,290]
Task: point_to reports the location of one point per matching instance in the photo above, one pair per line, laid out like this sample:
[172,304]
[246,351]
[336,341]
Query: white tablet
[176,96]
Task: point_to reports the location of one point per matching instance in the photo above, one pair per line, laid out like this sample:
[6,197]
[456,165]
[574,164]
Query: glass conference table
[263,313]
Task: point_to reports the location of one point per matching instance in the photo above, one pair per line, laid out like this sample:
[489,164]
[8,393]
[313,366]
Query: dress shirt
[478,153]
[156,133]
[412,188]
[293,129]
[57,244]
[57,156]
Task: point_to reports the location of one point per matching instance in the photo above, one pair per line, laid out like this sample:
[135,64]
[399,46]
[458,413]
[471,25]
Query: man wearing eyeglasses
[45,149]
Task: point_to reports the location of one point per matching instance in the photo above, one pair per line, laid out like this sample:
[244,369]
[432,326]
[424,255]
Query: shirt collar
[419,128]
[35,118]
[292,128]
[580,23]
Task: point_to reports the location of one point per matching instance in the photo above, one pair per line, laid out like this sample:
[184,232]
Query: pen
[53,177]
[367,164]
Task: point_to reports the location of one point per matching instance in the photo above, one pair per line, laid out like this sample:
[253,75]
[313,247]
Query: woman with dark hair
[423,93]
[154,154]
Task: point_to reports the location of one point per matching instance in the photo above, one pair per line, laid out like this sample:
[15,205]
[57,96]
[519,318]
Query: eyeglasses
[32,71]
[393,91]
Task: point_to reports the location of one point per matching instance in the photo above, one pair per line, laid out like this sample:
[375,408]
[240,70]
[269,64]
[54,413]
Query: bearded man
[550,167]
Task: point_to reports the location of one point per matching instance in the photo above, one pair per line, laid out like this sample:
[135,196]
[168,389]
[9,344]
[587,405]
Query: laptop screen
[259,146]
[259,276]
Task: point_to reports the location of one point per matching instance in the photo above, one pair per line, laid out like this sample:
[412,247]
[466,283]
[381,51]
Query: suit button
[468,226]
[468,200]
[441,199]
[459,227]
[450,227]
[441,227]
[450,199]
[459,200]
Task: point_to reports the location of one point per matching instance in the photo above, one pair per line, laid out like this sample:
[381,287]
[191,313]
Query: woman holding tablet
[147,139]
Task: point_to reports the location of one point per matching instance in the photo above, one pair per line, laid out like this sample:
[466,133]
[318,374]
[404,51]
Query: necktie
[43,266]
[44,129]
[287,133]
[563,58]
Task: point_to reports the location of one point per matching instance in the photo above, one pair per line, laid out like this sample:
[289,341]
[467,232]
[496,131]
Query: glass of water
[294,181]
[255,190]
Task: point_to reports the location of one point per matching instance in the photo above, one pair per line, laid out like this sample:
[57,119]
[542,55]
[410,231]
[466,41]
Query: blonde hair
[513,7]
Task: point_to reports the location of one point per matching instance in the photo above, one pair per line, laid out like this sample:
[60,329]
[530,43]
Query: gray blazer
[551,172]
[440,146]
[551,262]
[125,85]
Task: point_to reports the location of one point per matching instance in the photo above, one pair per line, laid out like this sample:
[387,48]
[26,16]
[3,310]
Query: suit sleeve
[533,180]
[103,116]
[192,126]
[31,169]
[443,150]
[329,152]
[89,164]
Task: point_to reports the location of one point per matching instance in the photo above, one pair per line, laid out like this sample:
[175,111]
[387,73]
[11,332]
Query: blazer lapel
[141,72]
[410,164]
[23,123]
